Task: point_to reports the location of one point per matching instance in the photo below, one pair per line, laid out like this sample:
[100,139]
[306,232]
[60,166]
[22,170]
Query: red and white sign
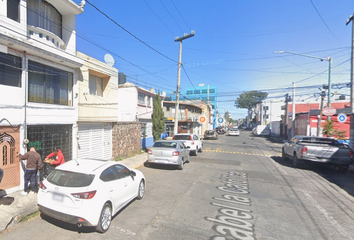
[329,111]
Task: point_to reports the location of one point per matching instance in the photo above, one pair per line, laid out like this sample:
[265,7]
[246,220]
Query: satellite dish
[109,59]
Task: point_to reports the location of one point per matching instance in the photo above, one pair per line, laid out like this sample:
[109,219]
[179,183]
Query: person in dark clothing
[1,174]
[34,163]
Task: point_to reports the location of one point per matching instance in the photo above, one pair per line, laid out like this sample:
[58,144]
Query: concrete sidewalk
[14,206]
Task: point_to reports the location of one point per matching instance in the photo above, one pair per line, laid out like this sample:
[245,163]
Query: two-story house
[136,104]
[38,74]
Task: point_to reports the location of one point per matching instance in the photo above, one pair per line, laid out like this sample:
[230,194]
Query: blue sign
[220,120]
[342,117]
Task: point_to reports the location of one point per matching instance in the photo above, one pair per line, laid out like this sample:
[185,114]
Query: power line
[131,33]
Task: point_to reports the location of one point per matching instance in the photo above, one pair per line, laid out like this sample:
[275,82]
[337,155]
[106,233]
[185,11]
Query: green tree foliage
[158,119]
[328,128]
[250,99]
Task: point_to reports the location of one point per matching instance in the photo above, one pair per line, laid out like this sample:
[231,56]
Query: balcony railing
[44,35]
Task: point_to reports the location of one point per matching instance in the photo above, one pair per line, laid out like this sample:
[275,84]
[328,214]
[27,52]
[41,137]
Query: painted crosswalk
[263,153]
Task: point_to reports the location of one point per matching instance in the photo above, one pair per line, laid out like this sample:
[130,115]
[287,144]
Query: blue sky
[233,46]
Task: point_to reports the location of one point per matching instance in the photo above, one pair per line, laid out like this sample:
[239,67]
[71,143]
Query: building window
[13,10]
[143,130]
[49,85]
[43,15]
[10,70]
[196,91]
[148,100]
[212,99]
[96,86]
[46,137]
[168,108]
[212,90]
[189,92]
[204,91]
[204,99]
[141,98]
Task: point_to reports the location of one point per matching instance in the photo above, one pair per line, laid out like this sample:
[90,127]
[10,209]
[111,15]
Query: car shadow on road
[161,166]
[344,180]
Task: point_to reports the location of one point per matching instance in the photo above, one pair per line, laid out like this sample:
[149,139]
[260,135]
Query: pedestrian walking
[59,158]
[34,163]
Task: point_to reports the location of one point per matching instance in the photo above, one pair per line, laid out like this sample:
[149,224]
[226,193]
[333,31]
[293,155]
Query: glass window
[10,70]
[49,85]
[70,179]
[143,129]
[204,99]
[43,15]
[211,98]
[110,174]
[189,92]
[122,171]
[96,85]
[212,90]
[141,98]
[148,100]
[196,91]
[204,91]
[13,10]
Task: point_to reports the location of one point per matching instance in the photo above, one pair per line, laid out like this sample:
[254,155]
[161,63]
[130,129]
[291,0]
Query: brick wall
[126,139]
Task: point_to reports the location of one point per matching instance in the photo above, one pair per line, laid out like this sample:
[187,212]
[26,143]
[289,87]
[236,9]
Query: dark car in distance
[211,134]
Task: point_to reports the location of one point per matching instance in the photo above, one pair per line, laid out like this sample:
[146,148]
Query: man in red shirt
[59,158]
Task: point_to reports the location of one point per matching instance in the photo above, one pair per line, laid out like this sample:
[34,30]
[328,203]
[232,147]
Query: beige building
[97,108]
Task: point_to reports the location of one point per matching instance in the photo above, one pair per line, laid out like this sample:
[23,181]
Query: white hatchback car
[89,192]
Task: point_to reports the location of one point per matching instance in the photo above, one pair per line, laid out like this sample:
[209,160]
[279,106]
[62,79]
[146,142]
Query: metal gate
[8,160]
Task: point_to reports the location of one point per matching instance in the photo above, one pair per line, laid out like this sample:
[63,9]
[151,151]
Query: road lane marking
[218,150]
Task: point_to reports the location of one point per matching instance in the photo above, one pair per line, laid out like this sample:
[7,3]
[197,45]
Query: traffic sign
[220,120]
[202,119]
[342,117]
[329,111]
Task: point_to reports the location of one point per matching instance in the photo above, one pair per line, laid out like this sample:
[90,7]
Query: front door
[9,148]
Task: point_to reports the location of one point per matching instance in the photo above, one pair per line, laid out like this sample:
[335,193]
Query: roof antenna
[77,162]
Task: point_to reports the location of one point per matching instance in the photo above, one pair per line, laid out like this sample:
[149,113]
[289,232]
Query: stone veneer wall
[126,139]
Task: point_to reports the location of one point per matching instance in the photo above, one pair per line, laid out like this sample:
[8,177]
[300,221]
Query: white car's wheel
[180,167]
[141,190]
[105,219]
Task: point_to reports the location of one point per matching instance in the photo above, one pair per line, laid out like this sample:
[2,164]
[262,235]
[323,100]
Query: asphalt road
[238,188]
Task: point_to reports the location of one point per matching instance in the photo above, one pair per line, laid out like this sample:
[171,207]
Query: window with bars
[46,137]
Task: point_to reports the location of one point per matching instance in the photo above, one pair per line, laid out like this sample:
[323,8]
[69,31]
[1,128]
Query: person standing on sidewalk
[59,158]
[34,163]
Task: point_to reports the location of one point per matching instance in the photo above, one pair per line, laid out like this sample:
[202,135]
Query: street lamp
[349,20]
[329,59]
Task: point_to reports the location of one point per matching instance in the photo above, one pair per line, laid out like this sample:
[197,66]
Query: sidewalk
[14,206]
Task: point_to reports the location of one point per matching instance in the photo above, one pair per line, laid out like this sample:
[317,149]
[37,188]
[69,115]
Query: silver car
[171,152]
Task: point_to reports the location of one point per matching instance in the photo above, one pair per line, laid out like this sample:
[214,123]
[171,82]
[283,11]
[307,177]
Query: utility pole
[177,39]
[350,19]
[286,115]
[293,113]
[323,94]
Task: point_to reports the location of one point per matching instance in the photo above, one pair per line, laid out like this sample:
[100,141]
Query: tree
[158,119]
[250,99]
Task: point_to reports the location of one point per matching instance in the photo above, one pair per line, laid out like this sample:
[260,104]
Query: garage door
[95,141]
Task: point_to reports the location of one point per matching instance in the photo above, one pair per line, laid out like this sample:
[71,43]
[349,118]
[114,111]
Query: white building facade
[38,82]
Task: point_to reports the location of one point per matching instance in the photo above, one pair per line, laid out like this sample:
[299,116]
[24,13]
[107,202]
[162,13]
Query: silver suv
[191,140]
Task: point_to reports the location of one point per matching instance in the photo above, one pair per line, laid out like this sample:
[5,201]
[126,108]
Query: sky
[234,47]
